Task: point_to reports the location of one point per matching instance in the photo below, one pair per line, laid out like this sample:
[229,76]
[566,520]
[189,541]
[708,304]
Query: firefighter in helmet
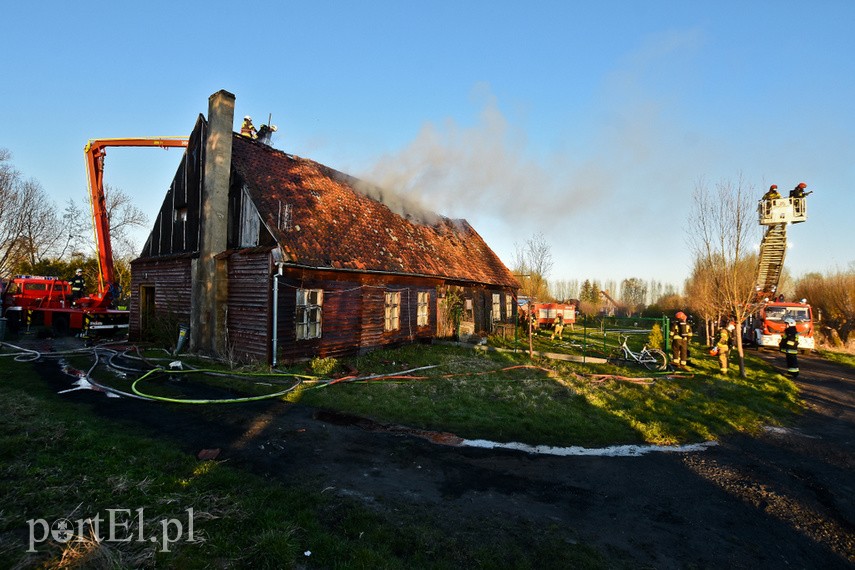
[790,346]
[723,345]
[558,327]
[681,333]
[772,194]
[78,286]
[799,191]
[247,129]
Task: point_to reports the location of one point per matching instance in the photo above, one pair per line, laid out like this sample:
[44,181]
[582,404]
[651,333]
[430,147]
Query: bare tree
[633,293]
[123,216]
[703,297]
[718,234]
[534,261]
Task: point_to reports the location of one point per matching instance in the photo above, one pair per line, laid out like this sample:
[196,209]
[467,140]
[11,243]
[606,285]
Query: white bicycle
[650,358]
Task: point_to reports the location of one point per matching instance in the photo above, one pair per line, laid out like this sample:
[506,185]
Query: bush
[656,339]
[323,366]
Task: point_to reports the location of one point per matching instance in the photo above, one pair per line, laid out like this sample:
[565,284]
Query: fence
[591,335]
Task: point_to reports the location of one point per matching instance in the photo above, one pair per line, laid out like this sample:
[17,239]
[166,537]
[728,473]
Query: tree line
[39,238]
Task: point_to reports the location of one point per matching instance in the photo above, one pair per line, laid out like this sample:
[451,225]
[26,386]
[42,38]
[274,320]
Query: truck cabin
[773,315]
[33,292]
[782,211]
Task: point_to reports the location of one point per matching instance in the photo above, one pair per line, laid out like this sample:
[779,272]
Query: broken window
[468,312]
[393,311]
[308,318]
[422,318]
[497,307]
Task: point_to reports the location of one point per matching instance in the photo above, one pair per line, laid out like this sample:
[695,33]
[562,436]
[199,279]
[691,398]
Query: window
[308,318]
[509,315]
[497,307]
[393,311]
[468,312]
[422,318]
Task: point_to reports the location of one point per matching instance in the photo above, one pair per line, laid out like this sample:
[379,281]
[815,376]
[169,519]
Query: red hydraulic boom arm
[95,152]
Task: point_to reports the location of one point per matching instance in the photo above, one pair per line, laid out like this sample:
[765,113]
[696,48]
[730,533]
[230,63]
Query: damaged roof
[320,218]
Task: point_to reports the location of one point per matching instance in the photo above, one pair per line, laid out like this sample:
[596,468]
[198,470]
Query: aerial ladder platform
[776,214]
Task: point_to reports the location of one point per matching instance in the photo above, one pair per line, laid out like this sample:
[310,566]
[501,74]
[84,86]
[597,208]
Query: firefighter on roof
[681,333]
[247,129]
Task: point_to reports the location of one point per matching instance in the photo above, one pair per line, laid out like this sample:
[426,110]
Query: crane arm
[95,153]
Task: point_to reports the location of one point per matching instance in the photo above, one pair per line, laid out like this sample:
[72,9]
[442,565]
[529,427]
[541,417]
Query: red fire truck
[29,300]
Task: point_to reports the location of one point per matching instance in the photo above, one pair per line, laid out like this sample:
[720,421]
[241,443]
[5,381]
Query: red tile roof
[320,219]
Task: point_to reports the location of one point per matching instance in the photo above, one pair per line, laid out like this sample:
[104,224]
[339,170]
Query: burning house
[273,257]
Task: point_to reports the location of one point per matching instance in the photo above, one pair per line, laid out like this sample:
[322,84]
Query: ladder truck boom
[767,323]
[95,152]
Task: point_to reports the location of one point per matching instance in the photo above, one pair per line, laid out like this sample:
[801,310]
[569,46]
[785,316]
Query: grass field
[481,395]
[59,461]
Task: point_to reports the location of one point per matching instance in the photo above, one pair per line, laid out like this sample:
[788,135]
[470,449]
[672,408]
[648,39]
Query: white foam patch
[613,451]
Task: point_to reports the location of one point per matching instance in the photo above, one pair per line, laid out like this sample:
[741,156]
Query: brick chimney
[209,274]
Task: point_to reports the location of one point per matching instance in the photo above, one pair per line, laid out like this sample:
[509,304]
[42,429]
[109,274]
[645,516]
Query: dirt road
[783,499]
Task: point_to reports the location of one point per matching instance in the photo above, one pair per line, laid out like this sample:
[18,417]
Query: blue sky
[591,122]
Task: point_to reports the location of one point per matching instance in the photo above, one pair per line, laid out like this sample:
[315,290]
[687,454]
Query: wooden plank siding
[170,279]
[176,227]
[353,312]
[249,308]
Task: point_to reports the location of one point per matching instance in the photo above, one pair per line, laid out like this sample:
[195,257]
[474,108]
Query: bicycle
[650,358]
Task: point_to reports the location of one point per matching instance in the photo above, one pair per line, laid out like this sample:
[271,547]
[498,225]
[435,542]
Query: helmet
[714,351]
[79,271]
[773,187]
[731,325]
[273,128]
[802,185]
[247,118]
[681,316]
[790,322]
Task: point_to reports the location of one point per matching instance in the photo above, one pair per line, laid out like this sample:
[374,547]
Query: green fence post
[666,332]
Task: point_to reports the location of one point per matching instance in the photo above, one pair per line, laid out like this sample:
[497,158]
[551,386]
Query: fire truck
[30,300]
[546,313]
[765,325]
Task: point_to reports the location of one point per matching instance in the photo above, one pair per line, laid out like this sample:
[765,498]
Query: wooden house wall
[171,280]
[176,227]
[353,313]
[248,315]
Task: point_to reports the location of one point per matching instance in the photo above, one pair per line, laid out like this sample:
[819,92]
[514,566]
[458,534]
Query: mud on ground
[785,498]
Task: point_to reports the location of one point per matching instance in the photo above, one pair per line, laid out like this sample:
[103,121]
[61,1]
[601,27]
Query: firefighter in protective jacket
[722,346]
[247,129]
[790,347]
[78,286]
[681,333]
